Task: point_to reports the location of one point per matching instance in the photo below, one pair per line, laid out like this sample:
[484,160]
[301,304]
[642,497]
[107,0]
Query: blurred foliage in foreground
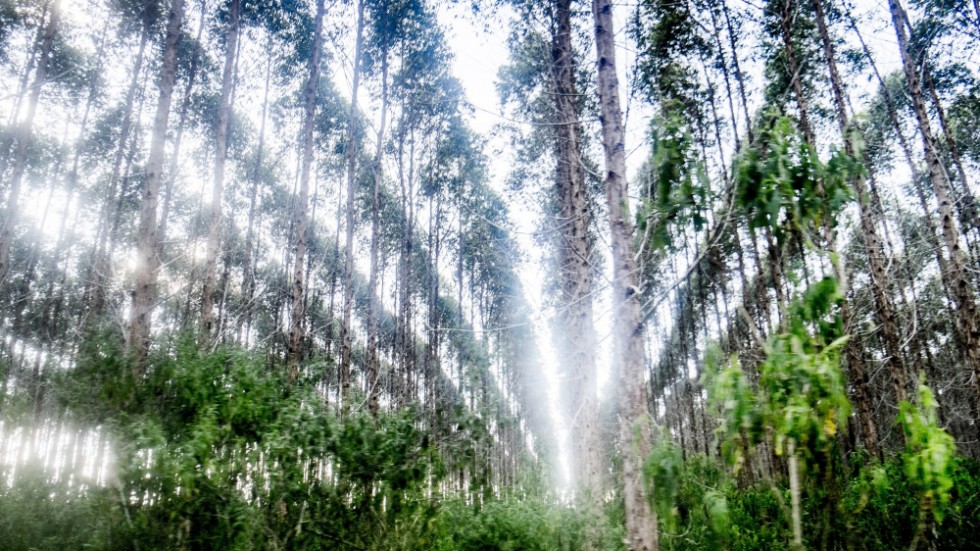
[217,451]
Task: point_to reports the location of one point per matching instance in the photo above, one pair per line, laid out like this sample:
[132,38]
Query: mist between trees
[261,285]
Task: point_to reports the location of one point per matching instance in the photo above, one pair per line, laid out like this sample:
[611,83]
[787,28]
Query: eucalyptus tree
[144,294]
[545,84]
[423,107]
[880,281]
[141,19]
[198,65]
[791,68]
[635,430]
[576,257]
[296,329]
[388,23]
[32,23]
[676,189]
[220,153]
[24,136]
[955,272]
[351,151]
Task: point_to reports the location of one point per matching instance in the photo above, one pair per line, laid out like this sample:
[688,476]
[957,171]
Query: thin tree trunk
[786,25]
[373,363]
[576,340]
[248,264]
[641,520]
[217,190]
[725,73]
[144,295]
[294,351]
[967,324]
[179,137]
[794,494]
[966,206]
[100,264]
[352,147]
[885,310]
[25,136]
[37,44]
[739,77]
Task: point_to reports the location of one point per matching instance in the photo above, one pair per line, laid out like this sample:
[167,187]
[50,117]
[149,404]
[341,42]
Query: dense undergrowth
[217,451]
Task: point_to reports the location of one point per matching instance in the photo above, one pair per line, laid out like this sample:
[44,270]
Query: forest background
[270,278]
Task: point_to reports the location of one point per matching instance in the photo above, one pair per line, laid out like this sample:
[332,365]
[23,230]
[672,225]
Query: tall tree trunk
[967,324]
[723,63]
[294,352]
[787,17]
[100,264]
[373,363]
[884,308]
[576,339]
[893,116]
[217,190]
[641,520]
[185,105]
[739,76]
[966,205]
[352,147]
[24,137]
[7,141]
[248,263]
[144,295]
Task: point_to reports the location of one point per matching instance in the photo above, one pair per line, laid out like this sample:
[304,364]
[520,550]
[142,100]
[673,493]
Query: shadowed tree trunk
[967,325]
[641,520]
[577,338]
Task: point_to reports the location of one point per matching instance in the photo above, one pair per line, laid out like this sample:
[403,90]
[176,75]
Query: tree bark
[144,295]
[576,340]
[967,324]
[641,520]
[25,136]
[352,146]
[296,330]
[880,283]
[217,190]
